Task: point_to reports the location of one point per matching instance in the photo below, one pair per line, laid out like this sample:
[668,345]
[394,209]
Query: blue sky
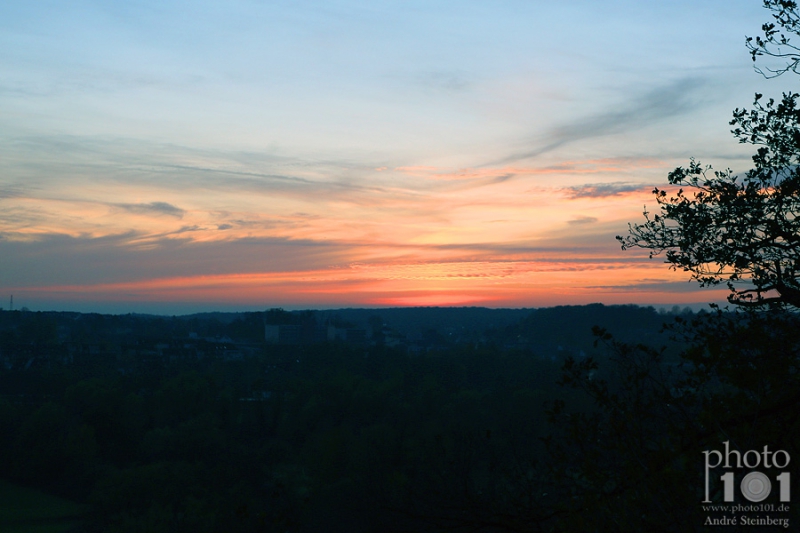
[318,154]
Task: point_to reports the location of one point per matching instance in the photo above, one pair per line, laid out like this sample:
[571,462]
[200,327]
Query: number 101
[756,486]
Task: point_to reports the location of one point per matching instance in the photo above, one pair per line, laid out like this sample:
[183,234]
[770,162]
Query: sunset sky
[173,157]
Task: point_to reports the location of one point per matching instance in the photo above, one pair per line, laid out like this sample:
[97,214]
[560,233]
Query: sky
[174,157]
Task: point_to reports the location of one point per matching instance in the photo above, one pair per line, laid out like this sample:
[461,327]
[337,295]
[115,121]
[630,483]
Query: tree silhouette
[742,230]
[633,458]
[775,43]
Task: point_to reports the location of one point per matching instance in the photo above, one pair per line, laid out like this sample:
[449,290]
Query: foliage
[331,437]
[635,458]
[774,43]
[743,231]
[740,230]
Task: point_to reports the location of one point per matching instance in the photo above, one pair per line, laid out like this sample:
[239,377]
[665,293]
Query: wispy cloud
[152,208]
[136,256]
[661,286]
[602,190]
[675,99]
[12,192]
[582,220]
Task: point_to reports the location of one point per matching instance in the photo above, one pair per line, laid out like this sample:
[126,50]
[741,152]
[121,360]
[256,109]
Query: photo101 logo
[755,486]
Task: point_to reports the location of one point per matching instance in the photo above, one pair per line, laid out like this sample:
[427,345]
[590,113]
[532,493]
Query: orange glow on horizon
[412,235]
[507,284]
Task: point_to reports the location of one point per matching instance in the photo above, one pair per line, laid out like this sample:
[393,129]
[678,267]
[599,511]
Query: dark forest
[536,421]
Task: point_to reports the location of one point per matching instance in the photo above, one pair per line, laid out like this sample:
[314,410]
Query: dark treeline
[197,424]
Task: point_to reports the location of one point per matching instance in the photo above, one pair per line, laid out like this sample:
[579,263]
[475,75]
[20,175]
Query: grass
[26,510]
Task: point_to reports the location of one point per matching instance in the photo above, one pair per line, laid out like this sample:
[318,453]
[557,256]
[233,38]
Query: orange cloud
[412,235]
